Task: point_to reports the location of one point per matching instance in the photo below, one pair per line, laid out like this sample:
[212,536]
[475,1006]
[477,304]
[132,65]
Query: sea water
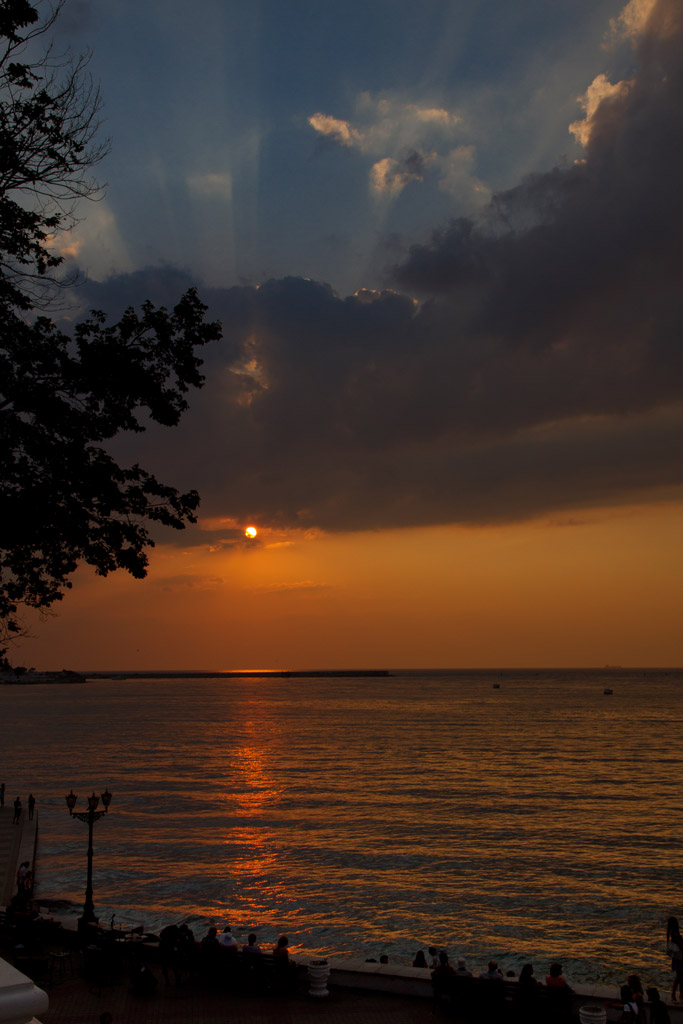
[520,815]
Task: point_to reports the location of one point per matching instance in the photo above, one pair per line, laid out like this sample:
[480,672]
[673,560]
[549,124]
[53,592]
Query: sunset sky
[444,241]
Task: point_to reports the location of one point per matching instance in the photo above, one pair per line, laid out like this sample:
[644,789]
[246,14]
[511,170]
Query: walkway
[72,1002]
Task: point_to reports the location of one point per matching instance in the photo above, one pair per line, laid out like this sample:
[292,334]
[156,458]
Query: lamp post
[90,816]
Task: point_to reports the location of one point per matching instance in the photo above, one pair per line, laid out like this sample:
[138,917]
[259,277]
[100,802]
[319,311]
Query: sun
[251,532]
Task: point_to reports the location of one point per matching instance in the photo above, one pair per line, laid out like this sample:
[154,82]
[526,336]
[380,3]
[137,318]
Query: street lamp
[90,816]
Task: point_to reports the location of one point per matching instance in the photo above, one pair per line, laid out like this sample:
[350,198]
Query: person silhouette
[674,948]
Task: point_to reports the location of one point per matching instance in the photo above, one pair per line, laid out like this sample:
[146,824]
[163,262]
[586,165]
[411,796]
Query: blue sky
[216,168]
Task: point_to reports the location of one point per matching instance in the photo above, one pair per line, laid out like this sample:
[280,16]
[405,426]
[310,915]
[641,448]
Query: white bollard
[592,1014]
[318,973]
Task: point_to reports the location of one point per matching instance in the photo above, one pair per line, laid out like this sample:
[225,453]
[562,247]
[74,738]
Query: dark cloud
[541,372]
[161,285]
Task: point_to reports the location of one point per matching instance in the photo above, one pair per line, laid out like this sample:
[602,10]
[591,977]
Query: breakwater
[249,674]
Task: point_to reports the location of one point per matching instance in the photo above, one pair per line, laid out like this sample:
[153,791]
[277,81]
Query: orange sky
[594,588]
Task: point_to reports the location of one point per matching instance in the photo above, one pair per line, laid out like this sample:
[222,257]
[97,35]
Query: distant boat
[607,690]
[496,686]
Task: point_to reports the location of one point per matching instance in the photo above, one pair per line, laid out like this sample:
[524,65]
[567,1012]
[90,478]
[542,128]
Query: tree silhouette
[64,498]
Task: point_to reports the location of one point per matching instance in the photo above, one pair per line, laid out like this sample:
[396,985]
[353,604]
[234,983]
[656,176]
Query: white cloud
[600,89]
[435,115]
[406,141]
[96,243]
[656,18]
[333,128]
[386,124]
[383,176]
[389,176]
[457,177]
[633,19]
[211,186]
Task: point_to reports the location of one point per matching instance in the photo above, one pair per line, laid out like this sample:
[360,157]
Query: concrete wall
[416,981]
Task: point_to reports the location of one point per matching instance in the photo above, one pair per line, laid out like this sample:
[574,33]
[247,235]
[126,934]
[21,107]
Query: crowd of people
[216,954]
[631,1000]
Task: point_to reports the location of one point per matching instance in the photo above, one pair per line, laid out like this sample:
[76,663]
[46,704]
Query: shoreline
[40,678]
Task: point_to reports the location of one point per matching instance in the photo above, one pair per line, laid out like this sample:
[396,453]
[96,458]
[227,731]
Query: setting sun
[250,532]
